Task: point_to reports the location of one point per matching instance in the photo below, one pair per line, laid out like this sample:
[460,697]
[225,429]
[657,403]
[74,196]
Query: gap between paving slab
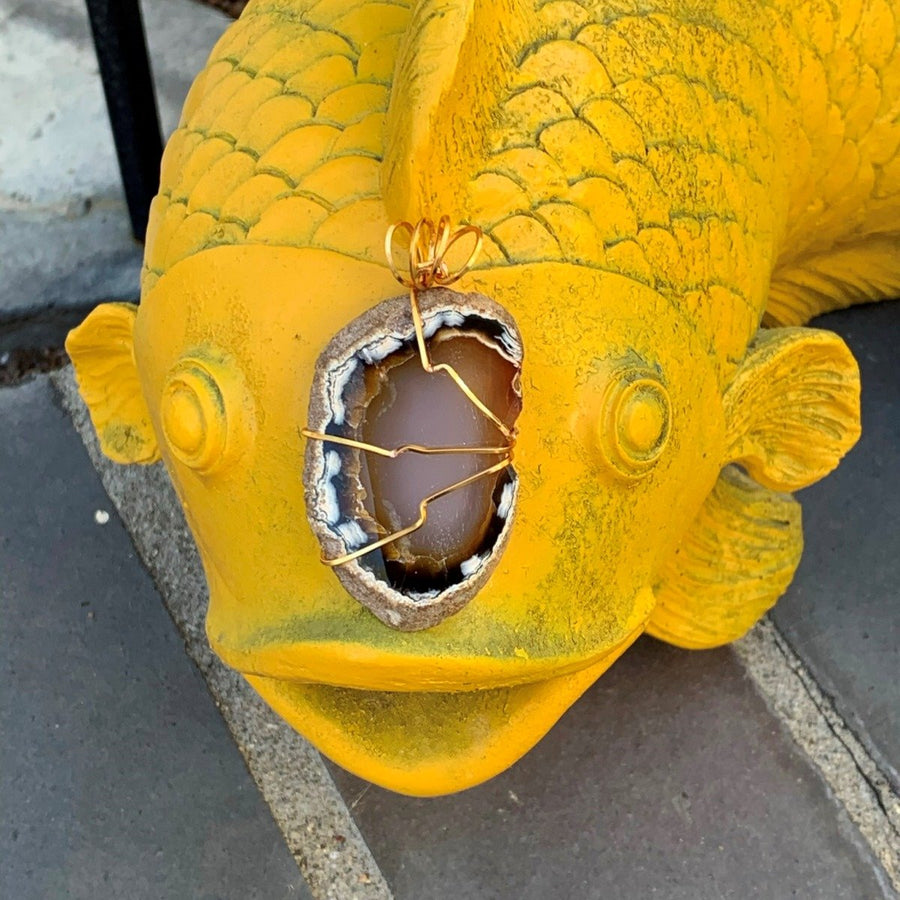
[842,612]
[294,779]
[669,778]
[848,769]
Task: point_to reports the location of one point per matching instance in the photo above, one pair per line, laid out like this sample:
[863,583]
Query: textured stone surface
[118,776]
[669,778]
[842,614]
[63,221]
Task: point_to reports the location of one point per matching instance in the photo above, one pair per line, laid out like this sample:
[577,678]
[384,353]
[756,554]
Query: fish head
[618,439]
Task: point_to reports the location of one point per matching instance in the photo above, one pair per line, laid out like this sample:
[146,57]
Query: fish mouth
[424,743]
[344,650]
[392,441]
[362,667]
[448,724]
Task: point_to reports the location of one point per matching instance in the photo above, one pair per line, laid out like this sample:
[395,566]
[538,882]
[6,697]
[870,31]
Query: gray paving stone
[63,222]
[118,778]
[842,614]
[669,779]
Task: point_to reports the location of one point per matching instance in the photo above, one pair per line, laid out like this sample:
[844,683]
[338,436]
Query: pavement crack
[826,705]
[811,717]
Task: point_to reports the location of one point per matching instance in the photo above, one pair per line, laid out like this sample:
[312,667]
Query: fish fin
[792,410]
[101,348]
[855,273]
[427,73]
[451,76]
[735,561]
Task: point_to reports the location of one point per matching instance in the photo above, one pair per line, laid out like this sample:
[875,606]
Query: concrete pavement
[64,225]
[118,775]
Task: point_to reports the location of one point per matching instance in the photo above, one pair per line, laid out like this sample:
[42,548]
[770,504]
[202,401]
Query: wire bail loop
[427,250]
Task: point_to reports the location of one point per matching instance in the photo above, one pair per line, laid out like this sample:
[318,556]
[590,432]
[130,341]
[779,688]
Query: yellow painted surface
[653,181]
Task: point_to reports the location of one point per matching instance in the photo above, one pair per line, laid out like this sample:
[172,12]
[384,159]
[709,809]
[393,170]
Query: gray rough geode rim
[393,319]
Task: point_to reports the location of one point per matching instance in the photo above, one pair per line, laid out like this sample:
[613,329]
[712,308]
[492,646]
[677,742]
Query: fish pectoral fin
[102,352]
[735,561]
[792,410]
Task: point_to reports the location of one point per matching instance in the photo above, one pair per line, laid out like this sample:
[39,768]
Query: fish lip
[359,666]
[375,334]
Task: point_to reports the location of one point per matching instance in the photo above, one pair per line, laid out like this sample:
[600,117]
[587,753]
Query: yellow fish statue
[431,516]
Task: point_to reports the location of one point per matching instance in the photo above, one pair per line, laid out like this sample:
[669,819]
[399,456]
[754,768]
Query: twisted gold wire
[423,515]
[398,451]
[426,268]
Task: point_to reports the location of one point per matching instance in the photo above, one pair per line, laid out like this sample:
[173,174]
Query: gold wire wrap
[426,268]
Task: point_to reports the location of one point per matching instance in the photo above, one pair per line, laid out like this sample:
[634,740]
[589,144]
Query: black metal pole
[125,70]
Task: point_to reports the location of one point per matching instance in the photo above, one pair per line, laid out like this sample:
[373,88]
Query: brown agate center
[404,404]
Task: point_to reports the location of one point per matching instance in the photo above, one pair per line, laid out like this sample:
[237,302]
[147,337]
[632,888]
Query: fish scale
[716,104]
[274,86]
[663,142]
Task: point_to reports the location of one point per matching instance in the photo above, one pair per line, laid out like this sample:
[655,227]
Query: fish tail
[850,274]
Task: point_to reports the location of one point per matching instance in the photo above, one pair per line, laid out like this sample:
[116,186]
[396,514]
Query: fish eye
[635,423]
[201,416]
